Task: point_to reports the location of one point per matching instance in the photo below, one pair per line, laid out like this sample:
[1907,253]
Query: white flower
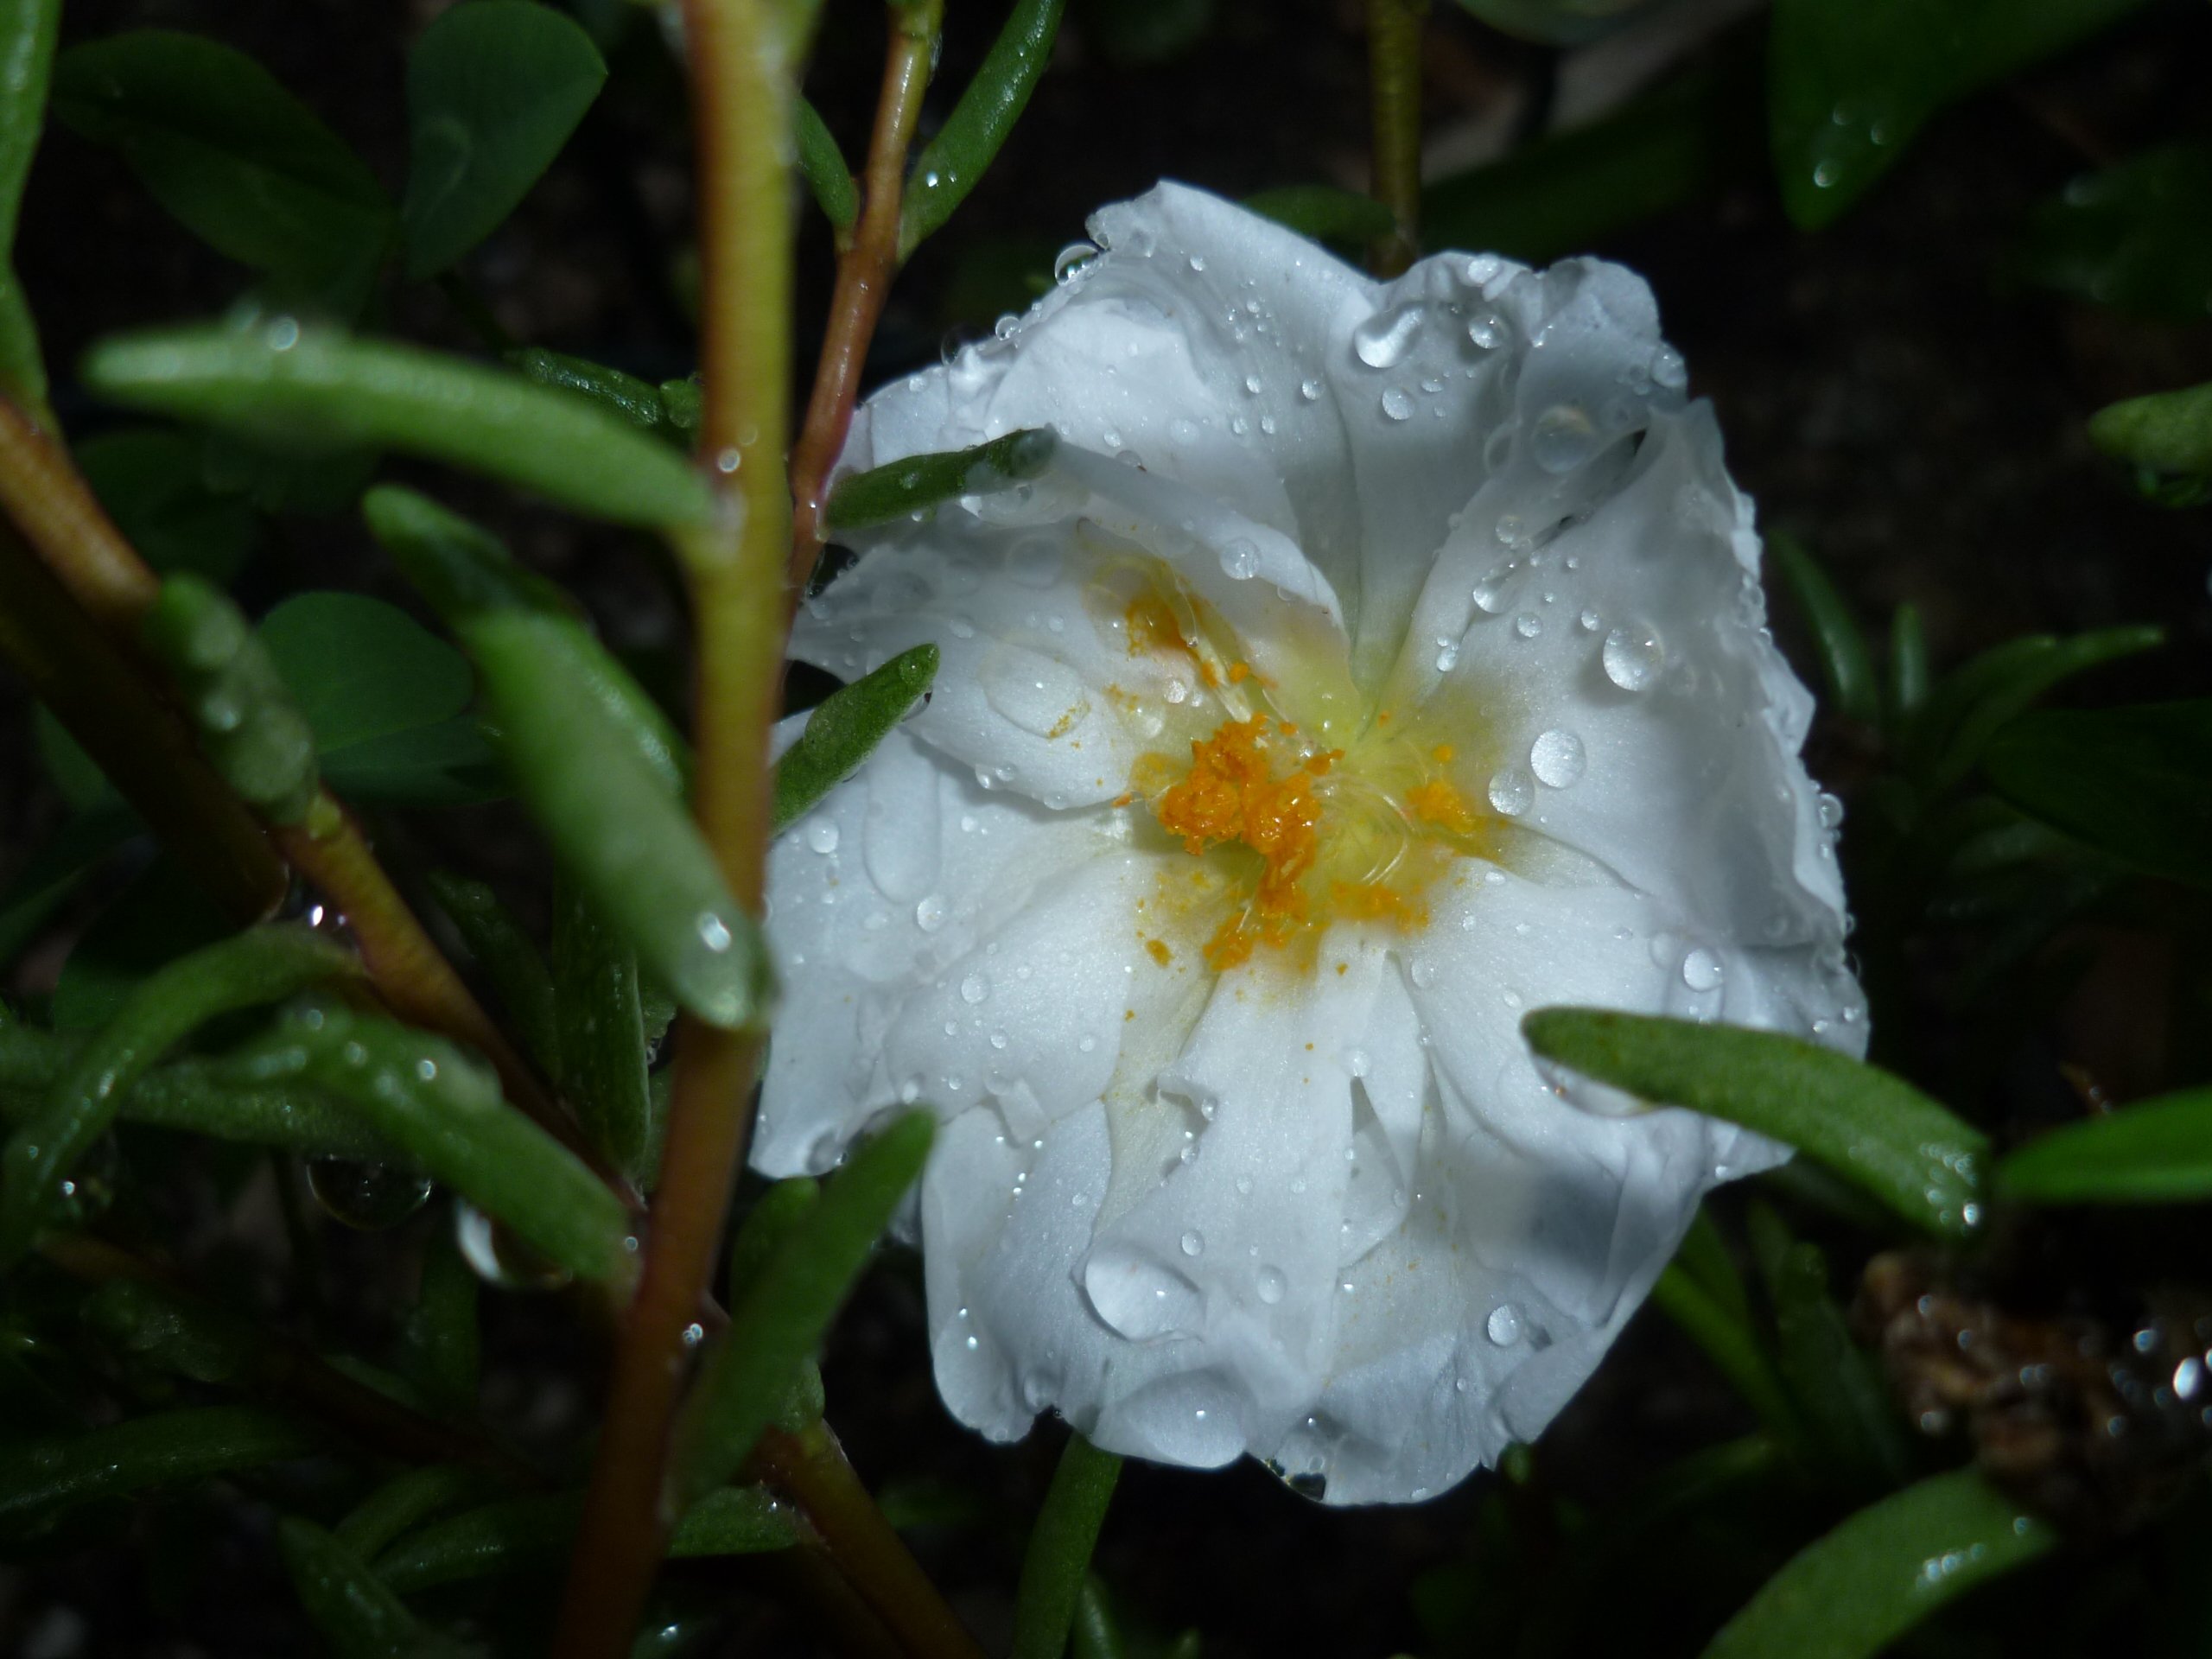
[1377,662]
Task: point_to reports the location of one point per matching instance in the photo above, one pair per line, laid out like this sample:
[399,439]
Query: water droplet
[1489,331]
[1562,438]
[1398,403]
[822,835]
[1494,591]
[1271,1284]
[930,913]
[497,1257]
[1197,262]
[1382,340]
[1503,1326]
[1040,694]
[1831,810]
[1557,758]
[1511,791]
[1309,390]
[1240,559]
[1633,657]
[1071,260]
[1193,1242]
[974,990]
[1447,658]
[1528,625]
[1589,622]
[367,1195]
[1669,369]
[1702,971]
[1356,1062]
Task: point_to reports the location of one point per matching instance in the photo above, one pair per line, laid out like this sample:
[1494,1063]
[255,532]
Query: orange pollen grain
[1436,802]
[1231,796]
[1152,625]
[1157,950]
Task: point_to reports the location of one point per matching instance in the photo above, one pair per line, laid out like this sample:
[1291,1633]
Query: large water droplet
[367,1195]
[1071,260]
[1669,369]
[1039,694]
[1271,1284]
[1240,559]
[1489,331]
[1397,403]
[1194,1243]
[1557,758]
[1494,591]
[822,835]
[1140,1297]
[1562,438]
[1511,791]
[1503,1326]
[974,990]
[1528,625]
[930,913]
[1702,971]
[1384,339]
[1633,657]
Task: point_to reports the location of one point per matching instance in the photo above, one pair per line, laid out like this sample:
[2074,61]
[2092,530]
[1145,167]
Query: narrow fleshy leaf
[1979,697]
[444,1339]
[2135,784]
[309,389]
[1907,687]
[602,1031]
[1829,1377]
[1851,1594]
[2167,431]
[844,729]
[1325,212]
[510,959]
[405,1502]
[148,1327]
[263,965]
[28,28]
[1734,1348]
[1866,1124]
[229,152]
[518,1532]
[2137,237]
[778,1323]
[823,165]
[920,482]
[973,134]
[358,1615]
[494,88]
[2153,1152]
[443,1109]
[1059,1558]
[250,727]
[40,1480]
[1847,664]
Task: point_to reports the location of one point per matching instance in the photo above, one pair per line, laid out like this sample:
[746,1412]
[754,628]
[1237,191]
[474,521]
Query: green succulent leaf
[844,728]
[2153,1152]
[978,127]
[28,28]
[358,1615]
[43,1480]
[1847,664]
[1851,1594]
[2166,432]
[247,721]
[1866,1124]
[1978,698]
[823,167]
[313,389]
[509,958]
[602,1032]
[2135,784]
[2137,237]
[494,88]
[917,483]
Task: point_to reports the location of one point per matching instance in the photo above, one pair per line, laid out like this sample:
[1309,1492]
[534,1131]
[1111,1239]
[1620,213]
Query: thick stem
[76,671]
[812,1470]
[57,513]
[742,66]
[865,270]
[1393,41]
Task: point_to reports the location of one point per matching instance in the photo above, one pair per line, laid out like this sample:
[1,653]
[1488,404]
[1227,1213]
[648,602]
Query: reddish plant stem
[741,63]
[865,270]
[1393,39]
[811,1468]
[83,551]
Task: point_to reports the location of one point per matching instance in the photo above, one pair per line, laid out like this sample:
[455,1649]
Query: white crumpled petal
[1461,552]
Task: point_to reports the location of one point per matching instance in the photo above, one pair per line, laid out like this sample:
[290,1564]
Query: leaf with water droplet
[1866,1124]
[914,484]
[844,728]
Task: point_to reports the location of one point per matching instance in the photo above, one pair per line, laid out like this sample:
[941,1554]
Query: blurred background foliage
[1926,256]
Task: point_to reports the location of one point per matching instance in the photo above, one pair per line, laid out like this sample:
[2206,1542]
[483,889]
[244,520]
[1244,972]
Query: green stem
[1393,41]
[1059,1549]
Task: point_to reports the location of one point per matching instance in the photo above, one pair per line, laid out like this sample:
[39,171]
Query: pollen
[1159,951]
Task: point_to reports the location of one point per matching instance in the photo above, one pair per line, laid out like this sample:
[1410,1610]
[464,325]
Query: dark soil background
[1884,394]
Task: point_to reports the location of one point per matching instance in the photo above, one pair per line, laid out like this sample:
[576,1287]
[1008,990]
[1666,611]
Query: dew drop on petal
[1309,390]
[1557,758]
[1494,591]
[1447,658]
[1562,438]
[1271,1284]
[1669,369]
[1633,657]
[822,835]
[1511,791]
[928,914]
[1382,340]
[1489,331]
[975,988]
[1071,259]
[1240,559]
[1193,1242]
[1503,1326]
[1398,403]
[1589,622]
[1702,971]
[1528,625]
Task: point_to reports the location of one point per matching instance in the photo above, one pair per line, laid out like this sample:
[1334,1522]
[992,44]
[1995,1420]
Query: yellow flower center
[1295,835]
